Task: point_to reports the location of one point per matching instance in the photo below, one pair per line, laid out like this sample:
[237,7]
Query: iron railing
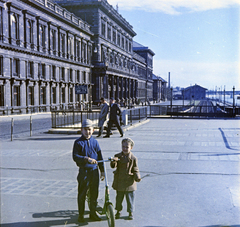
[72,118]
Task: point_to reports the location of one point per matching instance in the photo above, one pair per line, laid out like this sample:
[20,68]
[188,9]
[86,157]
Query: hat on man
[112,98]
[87,123]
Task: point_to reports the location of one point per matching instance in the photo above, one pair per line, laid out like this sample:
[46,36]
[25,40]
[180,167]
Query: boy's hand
[102,177]
[92,161]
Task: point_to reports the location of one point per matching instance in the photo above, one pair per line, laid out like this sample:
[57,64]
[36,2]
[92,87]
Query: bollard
[30,126]
[12,130]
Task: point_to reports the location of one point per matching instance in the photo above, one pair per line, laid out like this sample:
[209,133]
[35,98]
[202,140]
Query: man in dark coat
[115,111]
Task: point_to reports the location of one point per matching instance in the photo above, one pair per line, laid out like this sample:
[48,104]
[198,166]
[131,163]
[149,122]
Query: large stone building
[122,68]
[48,48]
[44,52]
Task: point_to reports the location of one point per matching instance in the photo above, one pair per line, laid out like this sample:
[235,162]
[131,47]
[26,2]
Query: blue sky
[198,42]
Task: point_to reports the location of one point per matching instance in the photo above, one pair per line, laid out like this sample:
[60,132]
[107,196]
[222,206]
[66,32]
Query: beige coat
[127,172]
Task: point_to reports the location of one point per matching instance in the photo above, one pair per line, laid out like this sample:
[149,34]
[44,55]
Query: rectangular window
[41,71]
[62,73]
[16,96]
[16,67]
[71,94]
[130,47]
[114,36]
[84,77]
[71,75]
[1,65]
[30,70]
[123,42]
[62,42]
[54,95]
[78,76]
[77,49]
[103,29]
[30,96]
[118,39]
[1,95]
[1,24]
[63,94]
[54,72]
[109,33]
[42,95]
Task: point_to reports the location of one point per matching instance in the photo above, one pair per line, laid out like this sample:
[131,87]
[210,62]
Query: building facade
[114,70]
[194,92]
[48,48]
[159,88]
[44,52]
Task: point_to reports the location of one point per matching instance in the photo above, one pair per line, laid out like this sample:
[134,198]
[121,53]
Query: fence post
[30,126]
[12,129]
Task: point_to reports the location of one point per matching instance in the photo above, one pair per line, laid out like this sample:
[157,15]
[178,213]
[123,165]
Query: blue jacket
[87,148]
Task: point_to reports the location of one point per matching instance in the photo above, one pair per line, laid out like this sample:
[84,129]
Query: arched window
[14,26]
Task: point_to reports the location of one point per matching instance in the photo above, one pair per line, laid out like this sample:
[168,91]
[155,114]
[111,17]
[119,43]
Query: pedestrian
[115,111]
[125,177]
[102,116]
[86,153]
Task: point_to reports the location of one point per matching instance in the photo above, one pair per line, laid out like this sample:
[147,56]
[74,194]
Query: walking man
[102,116]
[115,111]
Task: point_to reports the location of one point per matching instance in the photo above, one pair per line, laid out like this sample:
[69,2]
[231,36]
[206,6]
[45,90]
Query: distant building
[195,92]
[159,88]
[145,82]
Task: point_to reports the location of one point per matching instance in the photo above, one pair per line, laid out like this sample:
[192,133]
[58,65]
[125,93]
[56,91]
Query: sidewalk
[193,167]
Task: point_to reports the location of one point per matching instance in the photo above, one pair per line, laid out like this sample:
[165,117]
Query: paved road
[193,167]
[41,122]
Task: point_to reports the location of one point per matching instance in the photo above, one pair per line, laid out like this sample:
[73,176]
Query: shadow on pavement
[225,140]
[68,217]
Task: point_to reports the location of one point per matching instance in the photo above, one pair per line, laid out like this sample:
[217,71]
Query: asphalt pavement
[192,168]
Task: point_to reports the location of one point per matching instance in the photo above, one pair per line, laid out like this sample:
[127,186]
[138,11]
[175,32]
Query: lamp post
[233,101]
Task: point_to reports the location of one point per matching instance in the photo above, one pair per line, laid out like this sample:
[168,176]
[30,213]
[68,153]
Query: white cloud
[205,74]
[173,6]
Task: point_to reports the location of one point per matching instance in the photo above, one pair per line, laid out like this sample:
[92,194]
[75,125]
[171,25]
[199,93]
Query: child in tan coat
[125,177]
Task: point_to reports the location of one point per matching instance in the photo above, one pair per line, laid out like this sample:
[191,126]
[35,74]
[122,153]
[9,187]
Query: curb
[70,131]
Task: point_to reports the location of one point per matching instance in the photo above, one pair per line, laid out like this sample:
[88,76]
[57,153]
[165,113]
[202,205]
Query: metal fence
[205,111]
[136,114]
[72,118]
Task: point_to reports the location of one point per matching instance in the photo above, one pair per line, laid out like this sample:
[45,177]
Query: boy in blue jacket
[86,153]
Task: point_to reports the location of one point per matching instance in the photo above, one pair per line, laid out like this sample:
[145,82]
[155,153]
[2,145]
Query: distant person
[86,153]
[125,177]
[115,111]
[102,116]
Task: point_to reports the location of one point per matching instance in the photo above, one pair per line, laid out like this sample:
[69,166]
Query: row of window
[115,36]
[64,74]
[36,34]
[16,95]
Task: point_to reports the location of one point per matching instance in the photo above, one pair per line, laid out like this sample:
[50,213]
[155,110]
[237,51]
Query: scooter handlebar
[109,159]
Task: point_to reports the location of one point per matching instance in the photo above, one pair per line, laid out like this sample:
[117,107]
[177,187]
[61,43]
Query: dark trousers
[129,198]
[100,130]
[116,122]
[87,179]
